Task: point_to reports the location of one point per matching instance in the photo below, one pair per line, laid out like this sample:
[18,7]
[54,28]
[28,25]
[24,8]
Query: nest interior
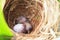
[28,8]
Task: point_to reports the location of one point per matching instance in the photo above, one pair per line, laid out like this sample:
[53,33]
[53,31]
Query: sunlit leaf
[4,29]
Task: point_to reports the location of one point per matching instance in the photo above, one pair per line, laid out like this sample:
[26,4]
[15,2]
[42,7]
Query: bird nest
[42,14]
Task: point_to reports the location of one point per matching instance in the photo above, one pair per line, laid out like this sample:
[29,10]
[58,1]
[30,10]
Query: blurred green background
[59,0]
[5,33]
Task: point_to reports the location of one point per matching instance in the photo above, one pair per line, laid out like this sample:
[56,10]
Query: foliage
[4,29]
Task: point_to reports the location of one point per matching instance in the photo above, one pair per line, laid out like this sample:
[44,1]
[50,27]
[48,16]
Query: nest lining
[40,14]
[29,9]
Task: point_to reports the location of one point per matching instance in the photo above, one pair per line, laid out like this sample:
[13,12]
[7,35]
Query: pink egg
[21,19]
[28,26]
[18,28]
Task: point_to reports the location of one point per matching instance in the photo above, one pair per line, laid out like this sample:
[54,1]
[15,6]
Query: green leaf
[4,29]
[5,37]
